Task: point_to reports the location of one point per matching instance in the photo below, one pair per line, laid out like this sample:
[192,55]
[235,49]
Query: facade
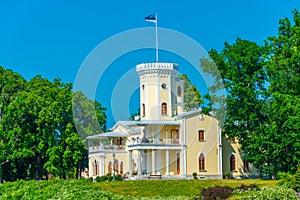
[167,140]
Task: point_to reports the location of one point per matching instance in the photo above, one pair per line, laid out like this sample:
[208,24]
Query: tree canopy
[192,96]
[263,97]
[37,130]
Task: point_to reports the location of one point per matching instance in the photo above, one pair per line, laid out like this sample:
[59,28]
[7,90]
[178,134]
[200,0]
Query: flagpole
[156,37]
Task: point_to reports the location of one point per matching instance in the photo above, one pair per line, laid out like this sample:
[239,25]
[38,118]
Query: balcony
[102,148]
[146,143]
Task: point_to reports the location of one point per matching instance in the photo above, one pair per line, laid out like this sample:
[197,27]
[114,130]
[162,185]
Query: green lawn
[166,188]
[82,189]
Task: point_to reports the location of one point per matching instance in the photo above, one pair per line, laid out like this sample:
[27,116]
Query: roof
[124,124]
[158,122]
[108,134]
[187,114]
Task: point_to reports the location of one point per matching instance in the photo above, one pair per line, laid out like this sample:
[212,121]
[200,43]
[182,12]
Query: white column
[184,161]
[130,162]
[167,162]
[220,167]
[139,162]
[153,161]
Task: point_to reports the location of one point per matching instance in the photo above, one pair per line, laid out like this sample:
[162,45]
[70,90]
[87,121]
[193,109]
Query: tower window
[200,135]
[232,163]
[164,108]
[179,91]
[143,110]
[201,162]
[143,87]
[163,86]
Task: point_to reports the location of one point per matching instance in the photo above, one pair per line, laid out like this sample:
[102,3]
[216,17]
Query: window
[201,135]
[179,91]
[164,108]
[232,163]
[143,87]
[116,166]
[121,168]
[95,168]
[246,166]
[201,162]
[109,167]
[143,110]
[163,86]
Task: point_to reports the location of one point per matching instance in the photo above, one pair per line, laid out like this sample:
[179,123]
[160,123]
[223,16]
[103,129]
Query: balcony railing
[155,141]
[106,148]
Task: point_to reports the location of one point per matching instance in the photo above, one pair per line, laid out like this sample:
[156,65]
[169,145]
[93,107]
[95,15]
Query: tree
[241,67]
[37,130]
[283,67]
[192,96]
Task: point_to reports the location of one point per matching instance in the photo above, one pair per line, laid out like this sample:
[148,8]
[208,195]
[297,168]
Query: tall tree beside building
[37,131]
[192,96]
[283,67]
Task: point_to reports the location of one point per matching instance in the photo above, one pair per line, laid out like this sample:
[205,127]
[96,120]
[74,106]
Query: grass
[82,189]
[165,188]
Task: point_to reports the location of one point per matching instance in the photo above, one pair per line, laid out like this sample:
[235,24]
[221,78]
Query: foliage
[289,180]
[217,192]
[192,96]
[37,129]
[108,177]
[272,193]
[263,97]
[52,189]
[85,189]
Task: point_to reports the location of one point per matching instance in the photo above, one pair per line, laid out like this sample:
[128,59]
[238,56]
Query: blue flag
[151,18]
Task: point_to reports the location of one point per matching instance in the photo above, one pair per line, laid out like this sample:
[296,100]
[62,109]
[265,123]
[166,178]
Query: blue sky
[53,37]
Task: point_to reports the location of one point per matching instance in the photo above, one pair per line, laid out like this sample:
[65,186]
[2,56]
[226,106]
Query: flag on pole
[151,18]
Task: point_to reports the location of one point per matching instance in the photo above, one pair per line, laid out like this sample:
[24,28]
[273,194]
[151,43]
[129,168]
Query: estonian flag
[151,18]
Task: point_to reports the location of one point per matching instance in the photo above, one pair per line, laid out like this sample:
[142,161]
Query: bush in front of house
[272,193]
[108,177]
[217,192]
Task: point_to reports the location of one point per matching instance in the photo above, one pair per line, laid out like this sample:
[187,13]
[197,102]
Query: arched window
[164,108]
[143,110]
[116,166]
[95,168]
[109,167]
[232,163]
[201,162]
[179,91]
[121,167]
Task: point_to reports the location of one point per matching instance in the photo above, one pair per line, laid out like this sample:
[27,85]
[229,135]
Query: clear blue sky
[53,37]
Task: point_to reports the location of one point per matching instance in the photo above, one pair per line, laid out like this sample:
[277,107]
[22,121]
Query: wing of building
[167,140]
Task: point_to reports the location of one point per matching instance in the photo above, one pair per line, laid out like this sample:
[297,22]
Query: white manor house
[167,141]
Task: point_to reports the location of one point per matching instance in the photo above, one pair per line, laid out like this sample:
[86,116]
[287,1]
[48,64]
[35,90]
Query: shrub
[272,193]
[289,180]
[98,179]
[217,192]
[119,178]
[244,187]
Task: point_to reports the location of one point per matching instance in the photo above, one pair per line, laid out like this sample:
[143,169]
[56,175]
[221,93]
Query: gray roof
[187,114]
[157,122]
[108,134]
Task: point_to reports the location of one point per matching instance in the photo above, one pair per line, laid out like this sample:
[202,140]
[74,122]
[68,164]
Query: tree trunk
[38,168]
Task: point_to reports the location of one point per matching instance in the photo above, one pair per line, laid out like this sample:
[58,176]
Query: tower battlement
[158,66]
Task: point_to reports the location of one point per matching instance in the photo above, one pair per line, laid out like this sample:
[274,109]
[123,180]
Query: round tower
[158,90]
